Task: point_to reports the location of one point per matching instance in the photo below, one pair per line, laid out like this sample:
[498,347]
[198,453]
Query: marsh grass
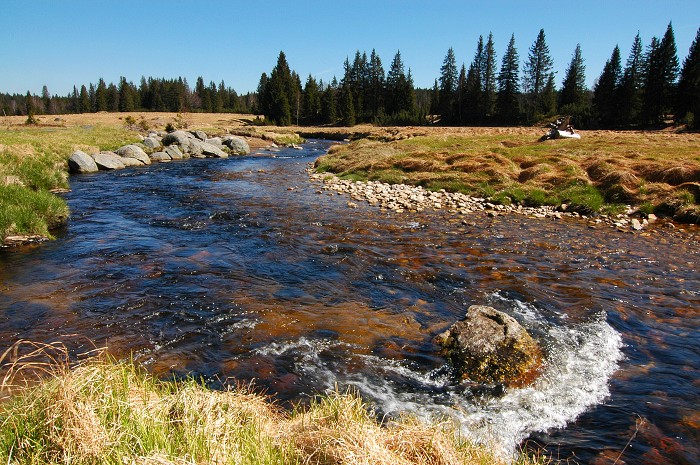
[100,410]
[602,170]
[33,161]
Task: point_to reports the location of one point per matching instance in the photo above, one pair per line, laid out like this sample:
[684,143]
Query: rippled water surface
[244,269]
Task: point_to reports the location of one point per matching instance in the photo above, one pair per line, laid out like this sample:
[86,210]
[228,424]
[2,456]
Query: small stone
[636,225]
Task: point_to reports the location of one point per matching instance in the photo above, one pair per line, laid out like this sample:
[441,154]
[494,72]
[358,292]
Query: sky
[62,43]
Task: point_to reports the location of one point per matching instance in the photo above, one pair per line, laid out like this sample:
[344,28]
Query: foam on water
[580,361]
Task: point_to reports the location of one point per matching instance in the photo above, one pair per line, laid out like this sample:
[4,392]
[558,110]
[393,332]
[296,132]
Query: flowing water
[243,269]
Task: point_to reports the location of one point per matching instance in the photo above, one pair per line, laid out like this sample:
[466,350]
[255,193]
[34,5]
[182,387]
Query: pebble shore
[402,198]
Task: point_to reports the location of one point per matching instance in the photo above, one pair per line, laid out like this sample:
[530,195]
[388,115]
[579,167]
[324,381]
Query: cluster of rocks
[160,147]
[402,197]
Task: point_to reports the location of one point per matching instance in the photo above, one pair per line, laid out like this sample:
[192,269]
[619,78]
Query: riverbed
[245,270]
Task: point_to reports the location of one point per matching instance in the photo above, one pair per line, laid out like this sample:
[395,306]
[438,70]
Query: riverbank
[604,174]
[107,411]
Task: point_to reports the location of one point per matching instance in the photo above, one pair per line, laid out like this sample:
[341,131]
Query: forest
[652,89]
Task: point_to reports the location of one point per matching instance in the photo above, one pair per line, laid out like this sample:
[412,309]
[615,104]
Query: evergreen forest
[649,87]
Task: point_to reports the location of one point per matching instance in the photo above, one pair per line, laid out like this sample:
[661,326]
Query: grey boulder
[174,152]
[81,162]
[151,143]
[134,151]
[237,145]
[160,156]
[109,161]
[177,137]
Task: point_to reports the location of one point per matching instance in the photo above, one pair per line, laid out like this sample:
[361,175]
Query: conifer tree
[537,76]
[448,85]
[329,114]
[84,100]
[630,89]
[399,91]
[461,98]
[375,94]
[605,104]
[488,79]
[688,102]
[347,107]
[473,94]
[507,107]
[126,98]
[660,79]
[435,99]
[46,100]
[112,97]
[574,86]
[312,101]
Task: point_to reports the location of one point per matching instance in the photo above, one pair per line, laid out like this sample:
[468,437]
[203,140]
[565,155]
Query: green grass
[37,158]
[105,411]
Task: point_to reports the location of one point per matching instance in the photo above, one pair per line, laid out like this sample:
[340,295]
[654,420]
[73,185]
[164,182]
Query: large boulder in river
[174,152]
[489,347]
[160,156]
[134,151]
[81,162]
[208,150]
[109,161]
[152,143]
[238,145]
[177,137]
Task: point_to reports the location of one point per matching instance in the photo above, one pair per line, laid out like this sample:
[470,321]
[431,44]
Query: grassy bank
[33,162]
[655,171]
[104,411]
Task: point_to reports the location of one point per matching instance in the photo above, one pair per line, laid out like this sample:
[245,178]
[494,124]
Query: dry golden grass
[103,411]
[634,167]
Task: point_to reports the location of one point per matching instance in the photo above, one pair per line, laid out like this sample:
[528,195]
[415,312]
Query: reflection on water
[242,269]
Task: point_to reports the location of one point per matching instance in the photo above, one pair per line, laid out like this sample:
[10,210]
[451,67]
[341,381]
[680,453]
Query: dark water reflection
[240,269]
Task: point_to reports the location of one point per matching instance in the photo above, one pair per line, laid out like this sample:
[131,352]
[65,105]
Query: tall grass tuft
[106,411]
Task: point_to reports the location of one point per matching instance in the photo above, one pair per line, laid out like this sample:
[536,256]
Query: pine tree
[377,80]
[329,113]
[538,73]
[347,107]
[630,90]
[574,86]
[126,98]
[605,103]
[473,95]
[101,96]
[448,85]
[435,100]
[688,102]
[399,88]
[46,100]
[312,101]
[660,79]
[507,107]
[461,98]
[75,101]
[488,79]
[84,101]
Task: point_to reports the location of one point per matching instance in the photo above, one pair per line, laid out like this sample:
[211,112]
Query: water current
[242,269]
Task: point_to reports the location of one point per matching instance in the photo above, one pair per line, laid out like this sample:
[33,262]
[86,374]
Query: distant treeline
[650,90]
[173,95]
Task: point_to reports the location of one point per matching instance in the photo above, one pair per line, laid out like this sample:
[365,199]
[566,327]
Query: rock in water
[109,161]
[134,151]
[81,162]
[176,137]
[489,346]
[237,145]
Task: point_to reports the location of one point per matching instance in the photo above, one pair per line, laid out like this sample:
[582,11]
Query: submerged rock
[489,346]
[81,162]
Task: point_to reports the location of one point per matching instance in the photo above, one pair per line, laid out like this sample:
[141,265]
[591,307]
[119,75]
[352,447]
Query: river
[243,269]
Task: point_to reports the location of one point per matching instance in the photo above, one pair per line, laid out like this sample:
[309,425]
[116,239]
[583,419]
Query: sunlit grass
[105,411]
[33,161]
[512,166]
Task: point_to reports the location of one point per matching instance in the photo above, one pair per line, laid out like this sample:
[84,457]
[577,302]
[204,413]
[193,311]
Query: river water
[243,269]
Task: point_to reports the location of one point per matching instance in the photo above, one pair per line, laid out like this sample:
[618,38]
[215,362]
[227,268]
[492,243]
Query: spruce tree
[507,107]
[448,85]
[488,79]
[396,87]
[126,98]
[688,102]
[537,76]
[347,107]
[461,99]
[46,100]
[629,99]
[473,95]
[329,114]
[84,101]
[312,101]
[605,104]
[660,79]
[574,86]
[377,79]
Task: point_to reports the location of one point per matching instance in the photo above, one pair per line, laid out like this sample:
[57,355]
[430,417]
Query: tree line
[171,95]
[651,89]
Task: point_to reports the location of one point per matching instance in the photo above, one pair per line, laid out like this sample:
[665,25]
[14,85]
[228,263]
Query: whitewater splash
[580,361]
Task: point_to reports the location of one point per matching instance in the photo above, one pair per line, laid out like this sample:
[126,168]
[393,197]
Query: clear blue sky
[62,43]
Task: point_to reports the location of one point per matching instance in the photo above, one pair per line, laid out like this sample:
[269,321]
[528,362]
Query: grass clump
[33,161]
[105,411]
